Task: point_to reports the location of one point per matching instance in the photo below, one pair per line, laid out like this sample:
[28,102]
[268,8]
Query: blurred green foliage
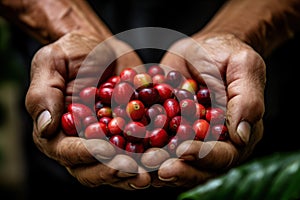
[271,177]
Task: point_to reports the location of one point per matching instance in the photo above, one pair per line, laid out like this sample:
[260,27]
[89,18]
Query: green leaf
[274,177]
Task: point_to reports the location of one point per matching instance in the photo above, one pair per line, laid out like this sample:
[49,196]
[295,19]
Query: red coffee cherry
[134,131]
[219,132]
[96,130]
[172,107]
[116,125]
[70,124]
[158,137]
[188,108]
[127,75]
[88,95]
[155,70]
[135,109]
[119,141]
[122,93]
[201,128]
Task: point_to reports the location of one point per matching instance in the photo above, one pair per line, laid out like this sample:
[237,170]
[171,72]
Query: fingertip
[244,131]
[43,121]
[188,150]
[133,186]
[154,157]
[100,149]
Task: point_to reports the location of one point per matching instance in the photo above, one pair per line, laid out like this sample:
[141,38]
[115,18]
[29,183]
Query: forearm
[48,20]
[263,24]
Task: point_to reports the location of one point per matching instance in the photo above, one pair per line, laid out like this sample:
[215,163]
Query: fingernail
[168,179]
[122,174]
[138,188]
[43,120]
[244,131]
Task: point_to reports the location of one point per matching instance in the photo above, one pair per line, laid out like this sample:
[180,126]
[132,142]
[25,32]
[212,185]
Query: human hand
[235,73]
[56,82]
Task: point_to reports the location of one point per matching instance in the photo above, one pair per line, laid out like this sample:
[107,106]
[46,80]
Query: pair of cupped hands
[232,68]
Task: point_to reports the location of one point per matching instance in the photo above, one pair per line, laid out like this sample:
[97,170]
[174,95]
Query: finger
[125,56]
[45,96]
[173,61]
[122,171]
[142,180]
[256,136]
[246,96]
[211,155]
[56,78]
[72,151]
[243,96]
[100,173]
[175,57]
[152,158]
[173,172]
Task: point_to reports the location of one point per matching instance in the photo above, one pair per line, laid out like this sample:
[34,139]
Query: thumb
[45,96]
[245,106]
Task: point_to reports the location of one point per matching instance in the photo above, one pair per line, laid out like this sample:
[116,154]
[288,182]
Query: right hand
[53,74]
[223,62]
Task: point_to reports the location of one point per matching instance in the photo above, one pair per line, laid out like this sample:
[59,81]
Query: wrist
[263,25]
[49,20]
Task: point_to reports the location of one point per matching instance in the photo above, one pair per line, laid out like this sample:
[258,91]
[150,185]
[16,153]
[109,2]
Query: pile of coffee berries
[136,111]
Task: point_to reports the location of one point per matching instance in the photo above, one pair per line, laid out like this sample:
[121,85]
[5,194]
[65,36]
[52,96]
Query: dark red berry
[152,112]
[105,120]
[88,95]
[135,109]
[158,138]
[148,96]
[200,111]
[155,70]
[134,131]
[203,96]
[116,125]
[114,79]
[185,132]
[201,128]
[188,108]
[80,110]
[107,85]
[127,75]
[142,80]
[158,78]
[172,107]
[174,78]
[165,91]
[134,150]
[219,132]
[96,130]
[71,124]
[161,121]
[119,111]
[89,120]
[181,94]
[105,94]
[122,93]
[119,141]
[175,123]
[215,115]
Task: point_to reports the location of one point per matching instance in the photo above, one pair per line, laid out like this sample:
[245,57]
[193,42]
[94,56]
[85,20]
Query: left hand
[55,83]
[208,58]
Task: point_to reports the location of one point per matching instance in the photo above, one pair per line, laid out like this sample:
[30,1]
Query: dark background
[44,178]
